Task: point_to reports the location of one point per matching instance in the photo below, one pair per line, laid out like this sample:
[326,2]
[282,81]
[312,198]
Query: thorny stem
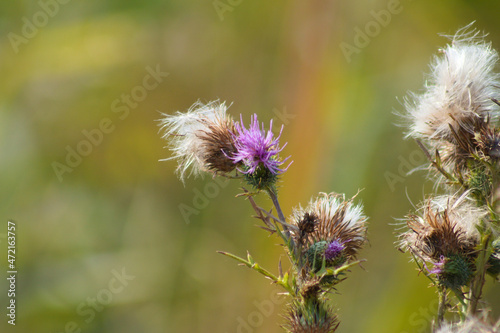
[274,198]
[284,224]
[484,249]
[421,268]
[289,240]
[442,307]
[478,282]
[269,226]
[462,307]
[437,164]
[493,196]
[250,263]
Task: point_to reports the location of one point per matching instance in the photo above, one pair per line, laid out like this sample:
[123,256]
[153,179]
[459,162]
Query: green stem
[329,271]
[250,263]
[296,252]
[462,307]
[274,198]
[442,307]
[438,164]
[477,283]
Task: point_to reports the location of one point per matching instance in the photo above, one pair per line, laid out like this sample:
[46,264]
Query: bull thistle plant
[454,237]
[321,240]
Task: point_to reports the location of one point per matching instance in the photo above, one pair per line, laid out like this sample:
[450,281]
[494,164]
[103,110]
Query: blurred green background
[67,69]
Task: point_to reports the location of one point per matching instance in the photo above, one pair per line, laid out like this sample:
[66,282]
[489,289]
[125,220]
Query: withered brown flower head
[201,139]
[477,140]
[336,219]
[434,235]
[445,236]
[218,145]
[446,226]
[307,224]
[462,144]
[488,142]
[311,288]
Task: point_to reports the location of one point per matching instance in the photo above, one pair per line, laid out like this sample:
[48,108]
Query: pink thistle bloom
[438,266]
[255,147]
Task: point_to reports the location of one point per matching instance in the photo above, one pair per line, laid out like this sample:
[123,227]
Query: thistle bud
[456,271]
[311,315]
[316,255]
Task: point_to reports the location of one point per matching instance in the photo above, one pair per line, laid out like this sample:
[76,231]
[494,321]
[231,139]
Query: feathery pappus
[445,235]
[330,228]
[459,91]
[201,138]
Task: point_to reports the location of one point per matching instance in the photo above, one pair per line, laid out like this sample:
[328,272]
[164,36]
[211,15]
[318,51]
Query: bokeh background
[118,209]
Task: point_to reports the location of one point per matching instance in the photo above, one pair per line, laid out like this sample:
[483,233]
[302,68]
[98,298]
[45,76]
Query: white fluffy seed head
[461,210]
[183,132]
[443,225]
[337,217]
[329,205]
[473,324]
[458,90]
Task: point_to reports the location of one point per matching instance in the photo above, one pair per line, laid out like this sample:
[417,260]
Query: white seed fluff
[459,88]
[182,132]
[463,211]
[471,325]
[328,207]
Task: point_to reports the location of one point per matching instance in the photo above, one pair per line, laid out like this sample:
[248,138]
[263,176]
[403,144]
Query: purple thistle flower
[438,266]
[334,249]
[255,147]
